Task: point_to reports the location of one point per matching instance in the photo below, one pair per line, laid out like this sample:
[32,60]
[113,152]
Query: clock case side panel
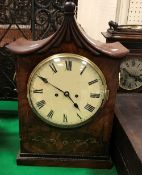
[34,141]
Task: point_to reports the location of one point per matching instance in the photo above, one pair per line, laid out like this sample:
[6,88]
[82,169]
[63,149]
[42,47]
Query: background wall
[94,15]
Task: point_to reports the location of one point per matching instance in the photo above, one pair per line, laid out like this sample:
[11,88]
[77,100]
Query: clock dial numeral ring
[66,90]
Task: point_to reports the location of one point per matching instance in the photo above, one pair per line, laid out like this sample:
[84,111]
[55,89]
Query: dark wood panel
[127,134]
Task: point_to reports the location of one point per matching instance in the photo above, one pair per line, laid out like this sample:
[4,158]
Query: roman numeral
[129,85]
[83,70]
[133,63]
[127,65]
[53,68]
[65,119]
[124,83]
[93,82]
[93,95]
[38,91]
[89,107]
[68,65]
[50,114]
[40,104]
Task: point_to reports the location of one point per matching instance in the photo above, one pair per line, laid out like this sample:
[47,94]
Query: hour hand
[126,72]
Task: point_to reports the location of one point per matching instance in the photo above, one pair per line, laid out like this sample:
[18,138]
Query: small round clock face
[66,90]
[131,74]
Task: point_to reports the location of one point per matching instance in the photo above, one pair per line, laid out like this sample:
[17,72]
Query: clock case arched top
[68,32]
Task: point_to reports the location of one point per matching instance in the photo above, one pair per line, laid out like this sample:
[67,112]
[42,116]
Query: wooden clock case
[127,121]
[129,36]
[84,146]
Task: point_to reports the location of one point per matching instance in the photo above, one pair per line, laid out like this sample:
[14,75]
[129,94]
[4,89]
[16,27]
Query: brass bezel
[67,55]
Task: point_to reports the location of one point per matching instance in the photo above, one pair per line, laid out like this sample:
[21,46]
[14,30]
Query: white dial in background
[131,74]
[66,90]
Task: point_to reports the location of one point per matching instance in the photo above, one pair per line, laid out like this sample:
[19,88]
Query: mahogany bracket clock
[66,86]
[131,66]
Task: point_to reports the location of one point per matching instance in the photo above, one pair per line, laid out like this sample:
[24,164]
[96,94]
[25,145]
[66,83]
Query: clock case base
[49,160]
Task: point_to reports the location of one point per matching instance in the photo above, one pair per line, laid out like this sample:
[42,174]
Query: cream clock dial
[66,90]
[131,74]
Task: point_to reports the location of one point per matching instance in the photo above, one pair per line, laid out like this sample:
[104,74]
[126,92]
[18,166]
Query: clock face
[66,90]
[131,74]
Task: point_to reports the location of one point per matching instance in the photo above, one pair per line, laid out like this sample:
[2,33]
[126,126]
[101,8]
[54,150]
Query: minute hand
[46,81]
[66,93]
[137,78]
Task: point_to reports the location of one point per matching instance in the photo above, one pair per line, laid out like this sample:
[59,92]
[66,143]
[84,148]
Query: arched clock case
[66,86]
